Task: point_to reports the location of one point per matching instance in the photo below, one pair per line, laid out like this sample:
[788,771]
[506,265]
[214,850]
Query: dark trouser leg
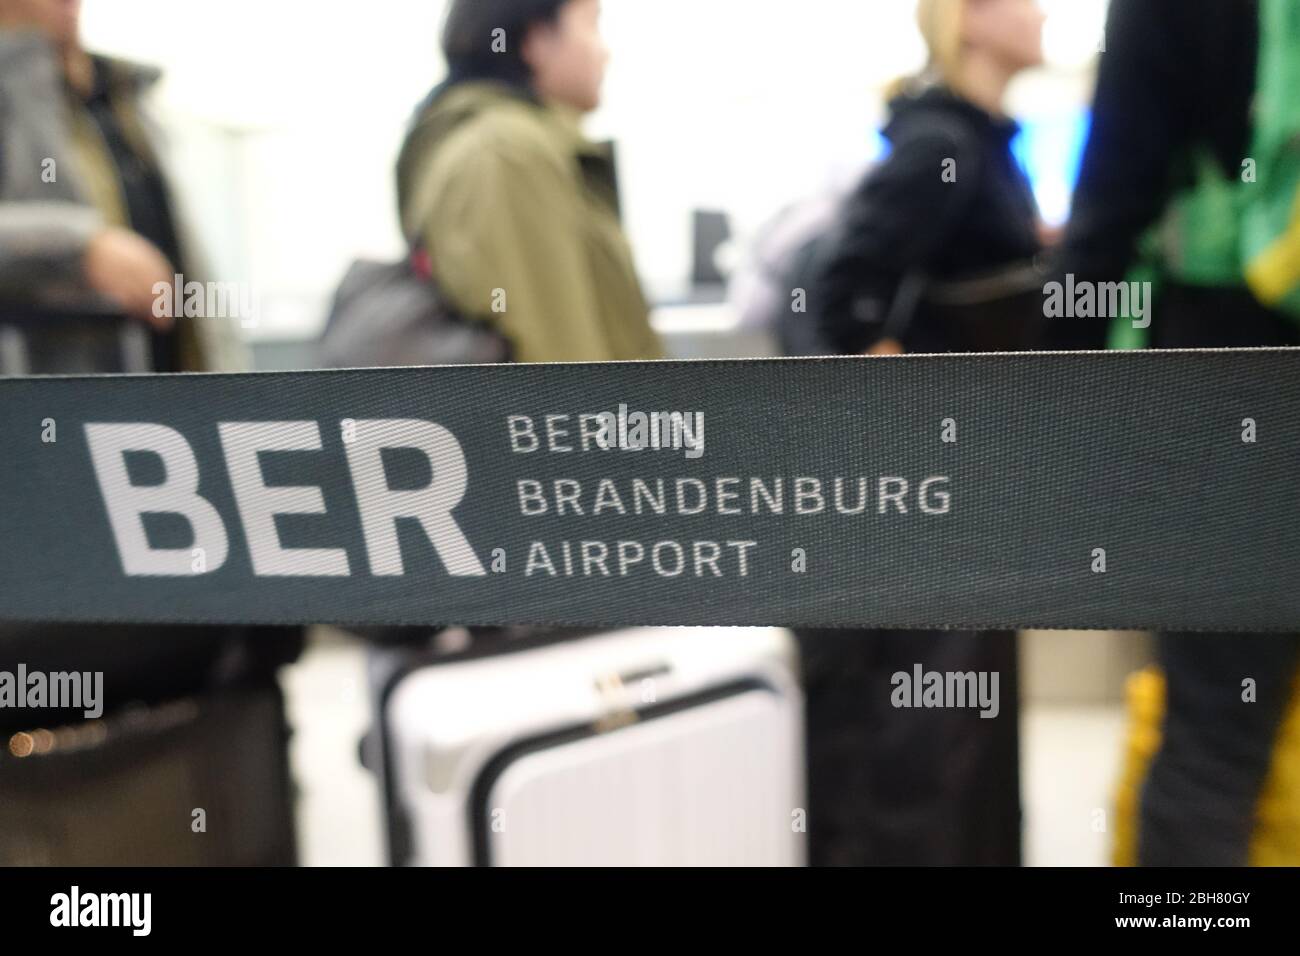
[891,786]
[1198,805]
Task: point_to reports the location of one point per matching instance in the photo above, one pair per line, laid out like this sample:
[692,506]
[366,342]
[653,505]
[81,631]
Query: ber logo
[380,507]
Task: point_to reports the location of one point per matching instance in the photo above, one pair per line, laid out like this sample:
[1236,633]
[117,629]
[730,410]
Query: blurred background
[283,116]
[1072,730]
[312,110]
[712,142]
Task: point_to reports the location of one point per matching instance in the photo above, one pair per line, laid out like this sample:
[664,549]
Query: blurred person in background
[934,252]
[88,229]
[935,249]
[87,220]
[1188,92]
[512,213]
[515,208]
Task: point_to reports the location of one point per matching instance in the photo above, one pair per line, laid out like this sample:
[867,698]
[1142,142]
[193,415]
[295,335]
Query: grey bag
[387,314]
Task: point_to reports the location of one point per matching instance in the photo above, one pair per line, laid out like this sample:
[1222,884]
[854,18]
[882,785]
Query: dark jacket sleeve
[893,223]
[1138,124]
[1141,119]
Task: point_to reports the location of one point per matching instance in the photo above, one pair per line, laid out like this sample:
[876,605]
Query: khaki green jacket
[519,214]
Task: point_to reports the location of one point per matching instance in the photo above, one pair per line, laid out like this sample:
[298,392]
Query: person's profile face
[1010,29]
[59,20]
[568,58]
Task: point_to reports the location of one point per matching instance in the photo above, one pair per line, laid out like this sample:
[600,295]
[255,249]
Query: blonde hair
[940,25]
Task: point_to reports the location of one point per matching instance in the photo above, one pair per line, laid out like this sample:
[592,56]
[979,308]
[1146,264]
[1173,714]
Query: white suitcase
[652,746]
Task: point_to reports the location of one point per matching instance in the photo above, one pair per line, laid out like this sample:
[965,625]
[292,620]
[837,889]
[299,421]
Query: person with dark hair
[515,208]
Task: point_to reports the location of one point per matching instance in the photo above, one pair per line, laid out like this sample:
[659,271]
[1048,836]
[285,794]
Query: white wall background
[287,116]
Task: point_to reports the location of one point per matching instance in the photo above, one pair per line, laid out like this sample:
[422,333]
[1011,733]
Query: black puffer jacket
[949,204]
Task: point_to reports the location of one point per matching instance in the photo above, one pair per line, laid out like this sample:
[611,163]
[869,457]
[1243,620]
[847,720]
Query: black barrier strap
[1108,490]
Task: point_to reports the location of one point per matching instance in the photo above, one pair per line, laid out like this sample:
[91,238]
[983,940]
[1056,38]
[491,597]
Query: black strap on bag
[889,311]
[991,311]
[913,286]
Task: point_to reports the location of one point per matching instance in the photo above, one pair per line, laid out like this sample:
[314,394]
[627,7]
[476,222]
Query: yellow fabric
[1276,272]
[1276,839]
